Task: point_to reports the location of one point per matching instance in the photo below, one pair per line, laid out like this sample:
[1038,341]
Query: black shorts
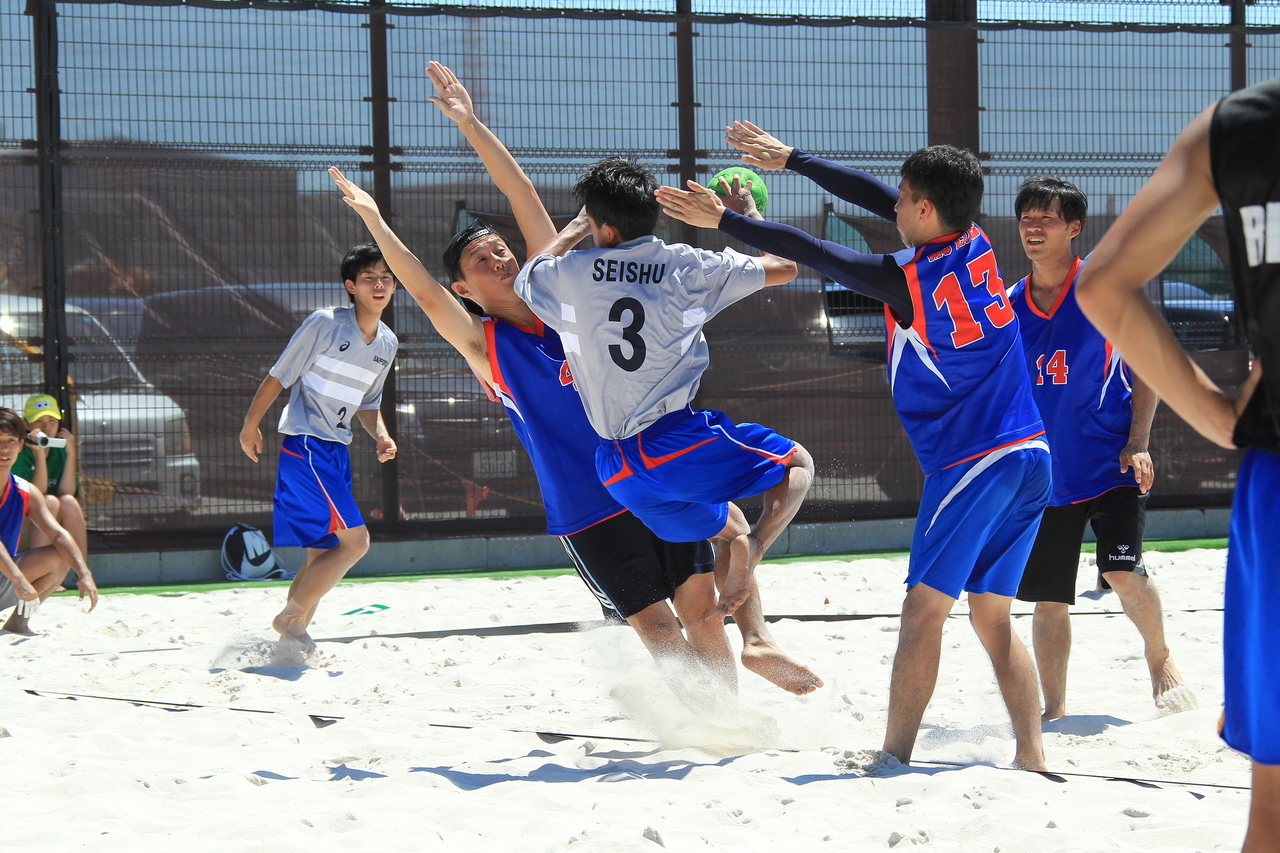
[628,568]
[1118,518]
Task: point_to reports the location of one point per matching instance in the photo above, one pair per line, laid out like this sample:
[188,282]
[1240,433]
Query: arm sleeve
[877,276]
[852,185]
[297,356]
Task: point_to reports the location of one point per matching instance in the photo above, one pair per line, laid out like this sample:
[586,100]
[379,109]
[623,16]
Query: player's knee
[991,625]
[1123,582]
[356,539]
[69,507]
[735,527]
[655,623]
[697,613]
[54,505]
[801,459]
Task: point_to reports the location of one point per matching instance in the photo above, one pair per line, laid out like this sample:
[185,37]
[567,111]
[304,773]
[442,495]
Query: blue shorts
[1251,632]
[978,521]
[678,474]
[313,493]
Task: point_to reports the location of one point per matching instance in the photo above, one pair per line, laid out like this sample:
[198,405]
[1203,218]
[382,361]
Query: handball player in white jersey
[630,314]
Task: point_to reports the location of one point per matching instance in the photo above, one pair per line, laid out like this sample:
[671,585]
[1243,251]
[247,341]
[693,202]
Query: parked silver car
[135,447]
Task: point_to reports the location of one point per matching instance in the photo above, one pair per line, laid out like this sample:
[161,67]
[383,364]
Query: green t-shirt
[56,461]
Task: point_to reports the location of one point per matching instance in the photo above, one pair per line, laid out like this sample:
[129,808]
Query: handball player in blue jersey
[27,578]
[629,569]
[959,382]
[1229,155]
[334,367]
[1097,417]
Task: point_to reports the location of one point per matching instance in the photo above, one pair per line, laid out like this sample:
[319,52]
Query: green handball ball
[759,192]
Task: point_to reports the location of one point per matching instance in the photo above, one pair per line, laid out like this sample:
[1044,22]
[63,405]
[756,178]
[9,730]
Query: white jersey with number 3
[630,319]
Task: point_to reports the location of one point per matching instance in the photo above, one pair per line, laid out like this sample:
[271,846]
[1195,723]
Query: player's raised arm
[758,148]
[571,235]
[455,102]
[703,208]
[852,185]
[1140,243]
[454,323]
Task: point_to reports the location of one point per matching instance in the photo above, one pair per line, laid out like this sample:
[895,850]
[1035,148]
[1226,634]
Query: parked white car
[136,463]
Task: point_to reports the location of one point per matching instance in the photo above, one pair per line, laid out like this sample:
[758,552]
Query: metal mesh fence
[199,227]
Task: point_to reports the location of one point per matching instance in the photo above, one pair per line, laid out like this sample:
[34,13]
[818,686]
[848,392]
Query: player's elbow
[1092,292]
[779,270]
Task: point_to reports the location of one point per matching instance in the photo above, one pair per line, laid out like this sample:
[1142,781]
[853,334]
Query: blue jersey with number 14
[958,374]
[1082,389]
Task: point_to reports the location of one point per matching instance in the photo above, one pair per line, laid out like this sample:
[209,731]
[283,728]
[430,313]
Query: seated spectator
[29,577]
[52,470]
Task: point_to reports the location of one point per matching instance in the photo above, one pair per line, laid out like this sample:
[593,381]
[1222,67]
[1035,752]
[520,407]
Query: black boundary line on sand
[323,720]
[571,627]
[1057,776]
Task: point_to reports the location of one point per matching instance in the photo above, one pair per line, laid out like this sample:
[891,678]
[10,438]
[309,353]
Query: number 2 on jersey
[630,334]
[982,273]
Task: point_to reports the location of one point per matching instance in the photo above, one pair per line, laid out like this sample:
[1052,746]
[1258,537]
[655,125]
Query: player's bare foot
[1034,765]
[777,667]
[293,626]
[1168,689]
[18,625]
[1053,714]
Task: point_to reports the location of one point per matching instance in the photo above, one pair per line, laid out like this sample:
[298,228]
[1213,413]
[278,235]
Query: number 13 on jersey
[949,294]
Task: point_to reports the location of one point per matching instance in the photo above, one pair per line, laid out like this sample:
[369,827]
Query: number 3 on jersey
[630,334]
[982,273]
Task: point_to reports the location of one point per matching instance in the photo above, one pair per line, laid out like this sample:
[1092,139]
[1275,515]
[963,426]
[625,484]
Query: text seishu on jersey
[628,271]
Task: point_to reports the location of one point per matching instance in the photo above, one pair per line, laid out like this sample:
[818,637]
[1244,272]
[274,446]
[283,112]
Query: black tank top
[1244,148]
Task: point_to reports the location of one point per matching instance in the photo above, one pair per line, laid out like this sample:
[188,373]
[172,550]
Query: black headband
[459,243]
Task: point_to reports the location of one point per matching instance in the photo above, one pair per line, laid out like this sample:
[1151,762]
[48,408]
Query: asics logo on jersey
[1261,233]
[629,271]
[344,346]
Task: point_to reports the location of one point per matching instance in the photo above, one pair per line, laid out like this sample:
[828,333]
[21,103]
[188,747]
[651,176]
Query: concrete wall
[517,552]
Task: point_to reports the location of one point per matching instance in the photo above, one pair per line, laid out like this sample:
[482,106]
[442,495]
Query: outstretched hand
[697,206]
[737,196]
[357,199]
[759,148]
[451,96]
